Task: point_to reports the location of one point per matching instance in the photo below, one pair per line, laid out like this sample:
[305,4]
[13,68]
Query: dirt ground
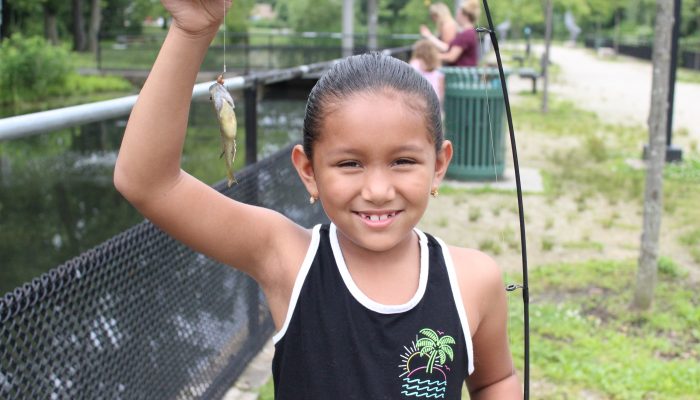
[565,229]
[557,230]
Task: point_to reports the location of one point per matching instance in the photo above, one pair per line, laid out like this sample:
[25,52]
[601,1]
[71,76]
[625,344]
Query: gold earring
[434,193]
[312,199]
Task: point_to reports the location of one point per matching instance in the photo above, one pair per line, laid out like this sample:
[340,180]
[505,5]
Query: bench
[529,73]
[519,59]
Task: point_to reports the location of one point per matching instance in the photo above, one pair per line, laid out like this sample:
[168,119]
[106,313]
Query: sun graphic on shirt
[408,356]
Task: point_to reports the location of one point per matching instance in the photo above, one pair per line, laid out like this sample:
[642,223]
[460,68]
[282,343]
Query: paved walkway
[619,90]
[256,374]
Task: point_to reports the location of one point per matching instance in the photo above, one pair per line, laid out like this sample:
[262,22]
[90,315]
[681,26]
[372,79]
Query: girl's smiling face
[374,165]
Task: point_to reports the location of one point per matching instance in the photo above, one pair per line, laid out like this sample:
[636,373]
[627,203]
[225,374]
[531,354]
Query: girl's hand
[425,31]
[197,17]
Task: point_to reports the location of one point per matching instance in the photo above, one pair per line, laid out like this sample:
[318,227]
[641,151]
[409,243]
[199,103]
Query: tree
[237,18]
[435,347]
[51,8]
[95,20]
[18,16]
[314,15]
[653,193]
[127,16]
[79,37]
[545,57]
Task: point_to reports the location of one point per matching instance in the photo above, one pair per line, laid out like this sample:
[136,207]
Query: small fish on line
[223,107]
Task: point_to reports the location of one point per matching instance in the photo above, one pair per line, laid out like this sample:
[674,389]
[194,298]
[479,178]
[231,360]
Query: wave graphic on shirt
[424,388]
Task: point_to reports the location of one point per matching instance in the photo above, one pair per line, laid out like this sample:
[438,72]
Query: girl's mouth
[377,219]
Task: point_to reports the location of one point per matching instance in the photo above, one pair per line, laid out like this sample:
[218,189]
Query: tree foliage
[312,15]
[30,68]
[631,18]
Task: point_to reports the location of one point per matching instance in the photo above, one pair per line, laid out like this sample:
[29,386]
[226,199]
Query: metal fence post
[250,98]
[250,95]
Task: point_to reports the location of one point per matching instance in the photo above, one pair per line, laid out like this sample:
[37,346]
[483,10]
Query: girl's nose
[378,187]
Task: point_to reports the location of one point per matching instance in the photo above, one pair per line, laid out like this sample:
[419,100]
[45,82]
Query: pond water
[56,193]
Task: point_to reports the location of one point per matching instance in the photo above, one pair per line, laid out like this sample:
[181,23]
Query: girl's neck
[388,277]
[354,254]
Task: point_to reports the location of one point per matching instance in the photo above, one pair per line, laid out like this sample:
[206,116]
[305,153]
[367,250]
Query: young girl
[368,307]
[426,60]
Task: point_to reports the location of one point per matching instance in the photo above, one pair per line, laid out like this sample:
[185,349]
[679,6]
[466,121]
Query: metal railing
[46,121]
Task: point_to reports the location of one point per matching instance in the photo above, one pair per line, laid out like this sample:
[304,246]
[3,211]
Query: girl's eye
[405,161]
[348,164]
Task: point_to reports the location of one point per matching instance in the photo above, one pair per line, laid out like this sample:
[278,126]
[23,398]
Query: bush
[31,68]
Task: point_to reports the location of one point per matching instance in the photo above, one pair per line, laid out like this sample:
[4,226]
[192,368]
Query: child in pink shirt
[426,60]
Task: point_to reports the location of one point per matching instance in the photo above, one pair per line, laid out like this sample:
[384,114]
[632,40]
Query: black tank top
[337,343]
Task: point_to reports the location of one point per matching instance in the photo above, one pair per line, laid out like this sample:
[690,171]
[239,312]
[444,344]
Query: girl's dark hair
[370,73]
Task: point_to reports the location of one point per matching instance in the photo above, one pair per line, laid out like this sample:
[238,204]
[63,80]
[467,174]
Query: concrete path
[256,374]
[619,90]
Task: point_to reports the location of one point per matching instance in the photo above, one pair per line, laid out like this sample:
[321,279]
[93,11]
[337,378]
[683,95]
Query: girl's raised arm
[148,170]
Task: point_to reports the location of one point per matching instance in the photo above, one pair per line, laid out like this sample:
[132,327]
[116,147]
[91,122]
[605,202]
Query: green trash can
[474,122]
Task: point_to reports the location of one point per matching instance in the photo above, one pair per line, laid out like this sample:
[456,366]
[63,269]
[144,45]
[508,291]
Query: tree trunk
[50,24]
[79,40]
[348,35]
[5,21]
[372,25]
[653,193]
[95,21]
[617,33]
[545,57]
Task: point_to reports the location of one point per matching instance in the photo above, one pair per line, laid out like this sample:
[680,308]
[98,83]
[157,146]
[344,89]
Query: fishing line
[224,37]
[485,83]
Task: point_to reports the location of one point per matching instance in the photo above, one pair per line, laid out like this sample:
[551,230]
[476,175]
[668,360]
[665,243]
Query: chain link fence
[141,316]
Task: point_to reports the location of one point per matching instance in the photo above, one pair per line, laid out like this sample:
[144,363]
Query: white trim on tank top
[454,284]
[299,282]
[363,298]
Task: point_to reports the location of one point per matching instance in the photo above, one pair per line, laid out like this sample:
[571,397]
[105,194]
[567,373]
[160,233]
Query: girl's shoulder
[480,282]
[477,265]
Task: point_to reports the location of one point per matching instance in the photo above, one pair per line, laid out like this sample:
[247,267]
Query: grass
[687,75]
[267,391]
[585,338]
[79,89]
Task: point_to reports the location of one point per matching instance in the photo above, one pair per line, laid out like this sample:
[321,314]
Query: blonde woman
[463,50]
[447,27]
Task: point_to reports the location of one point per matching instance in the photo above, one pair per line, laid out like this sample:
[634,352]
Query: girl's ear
[442,161]
[305,169]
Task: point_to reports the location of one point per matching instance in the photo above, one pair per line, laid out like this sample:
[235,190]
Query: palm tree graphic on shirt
[421,378]
[435,347]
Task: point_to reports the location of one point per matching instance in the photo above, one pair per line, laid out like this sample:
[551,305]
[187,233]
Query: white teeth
[378,217]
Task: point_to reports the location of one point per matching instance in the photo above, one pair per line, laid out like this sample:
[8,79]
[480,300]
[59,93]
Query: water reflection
[56,194]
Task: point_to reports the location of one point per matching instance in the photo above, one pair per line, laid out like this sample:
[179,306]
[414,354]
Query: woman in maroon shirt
[463,50]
